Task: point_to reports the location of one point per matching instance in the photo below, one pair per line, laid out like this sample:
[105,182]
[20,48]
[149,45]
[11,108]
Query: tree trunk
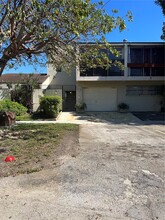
[3,63]
[7,118]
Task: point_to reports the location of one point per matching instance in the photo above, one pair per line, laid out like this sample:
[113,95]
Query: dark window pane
[158,55]
[86,72]
[115,71]
[136,72]
[146,71]
[158,71]
[136,55]
[100,72]
[112,57]
[147,55]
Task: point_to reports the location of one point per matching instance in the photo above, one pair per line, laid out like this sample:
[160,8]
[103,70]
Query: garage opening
[100,99]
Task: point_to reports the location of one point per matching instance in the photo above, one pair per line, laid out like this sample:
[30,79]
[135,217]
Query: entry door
[69,101]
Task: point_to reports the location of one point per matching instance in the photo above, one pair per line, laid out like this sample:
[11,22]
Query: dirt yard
[35,147]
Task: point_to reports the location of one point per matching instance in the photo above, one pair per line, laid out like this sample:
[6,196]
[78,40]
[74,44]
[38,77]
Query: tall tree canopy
[161,3]
[52,28]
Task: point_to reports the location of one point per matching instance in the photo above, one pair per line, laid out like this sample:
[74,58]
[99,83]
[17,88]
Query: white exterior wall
[136,103]
[36,98]
[61,82]
[63,77]
[140,102]
[51,71]
[45,84]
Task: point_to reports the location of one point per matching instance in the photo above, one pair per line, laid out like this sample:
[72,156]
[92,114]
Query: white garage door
[100,99]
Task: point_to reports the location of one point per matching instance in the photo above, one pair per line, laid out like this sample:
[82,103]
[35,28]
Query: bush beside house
[50,106]
[7,105]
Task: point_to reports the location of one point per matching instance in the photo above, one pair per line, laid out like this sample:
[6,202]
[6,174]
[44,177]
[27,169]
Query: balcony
[151,72]
[147,62]
[101,74]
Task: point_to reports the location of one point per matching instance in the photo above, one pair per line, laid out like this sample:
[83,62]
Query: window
[147,55]
[134,90]
[115,71]
[146,71]
[158,71]
[113,57]
[136,55]
[143,90]
[86,72]
[100,71]
[158,55]
[136,72]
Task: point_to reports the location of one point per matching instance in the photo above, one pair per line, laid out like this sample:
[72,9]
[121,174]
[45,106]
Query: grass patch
[26,117]
[30,144]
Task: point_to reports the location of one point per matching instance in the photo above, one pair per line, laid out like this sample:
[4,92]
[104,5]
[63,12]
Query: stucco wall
[45,84]
[36,98]
[63,77]
[140,102]
[136,103]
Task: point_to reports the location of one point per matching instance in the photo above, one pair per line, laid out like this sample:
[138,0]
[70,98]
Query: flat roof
[126,42]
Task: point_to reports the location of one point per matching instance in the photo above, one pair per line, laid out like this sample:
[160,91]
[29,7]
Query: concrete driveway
[117,173]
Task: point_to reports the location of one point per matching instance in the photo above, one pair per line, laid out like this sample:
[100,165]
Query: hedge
[50,106]
[8,105]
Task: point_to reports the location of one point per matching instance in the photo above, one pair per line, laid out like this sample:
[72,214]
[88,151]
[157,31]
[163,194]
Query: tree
[23,91]
[161,3]
[52,28]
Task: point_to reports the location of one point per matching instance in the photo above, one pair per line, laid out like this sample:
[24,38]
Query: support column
[125,59]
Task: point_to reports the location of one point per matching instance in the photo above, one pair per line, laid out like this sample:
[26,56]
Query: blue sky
[147,20]
[146,26]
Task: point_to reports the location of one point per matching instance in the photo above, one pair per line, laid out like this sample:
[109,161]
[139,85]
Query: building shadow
[121,118]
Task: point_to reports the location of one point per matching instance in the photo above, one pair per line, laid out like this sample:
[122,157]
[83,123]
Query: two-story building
[140,84]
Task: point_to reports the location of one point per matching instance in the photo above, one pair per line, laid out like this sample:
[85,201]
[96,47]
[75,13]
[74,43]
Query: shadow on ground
[150,116]
[110,117]
[135,118]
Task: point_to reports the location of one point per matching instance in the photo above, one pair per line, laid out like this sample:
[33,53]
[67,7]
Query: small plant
[50,106]
[123,107]
[80,107]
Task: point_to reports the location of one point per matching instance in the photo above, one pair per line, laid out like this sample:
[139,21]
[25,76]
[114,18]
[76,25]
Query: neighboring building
[42,81]
[140,85]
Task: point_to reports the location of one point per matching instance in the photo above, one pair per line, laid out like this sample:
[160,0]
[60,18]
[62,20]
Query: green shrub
[50,106]
[8,105]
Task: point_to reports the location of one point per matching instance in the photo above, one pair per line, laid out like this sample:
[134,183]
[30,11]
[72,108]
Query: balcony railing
[112,71]
[101,73]
[146,65]
[147,71]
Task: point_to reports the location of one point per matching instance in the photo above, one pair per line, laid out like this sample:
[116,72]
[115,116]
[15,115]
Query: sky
[146,26]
